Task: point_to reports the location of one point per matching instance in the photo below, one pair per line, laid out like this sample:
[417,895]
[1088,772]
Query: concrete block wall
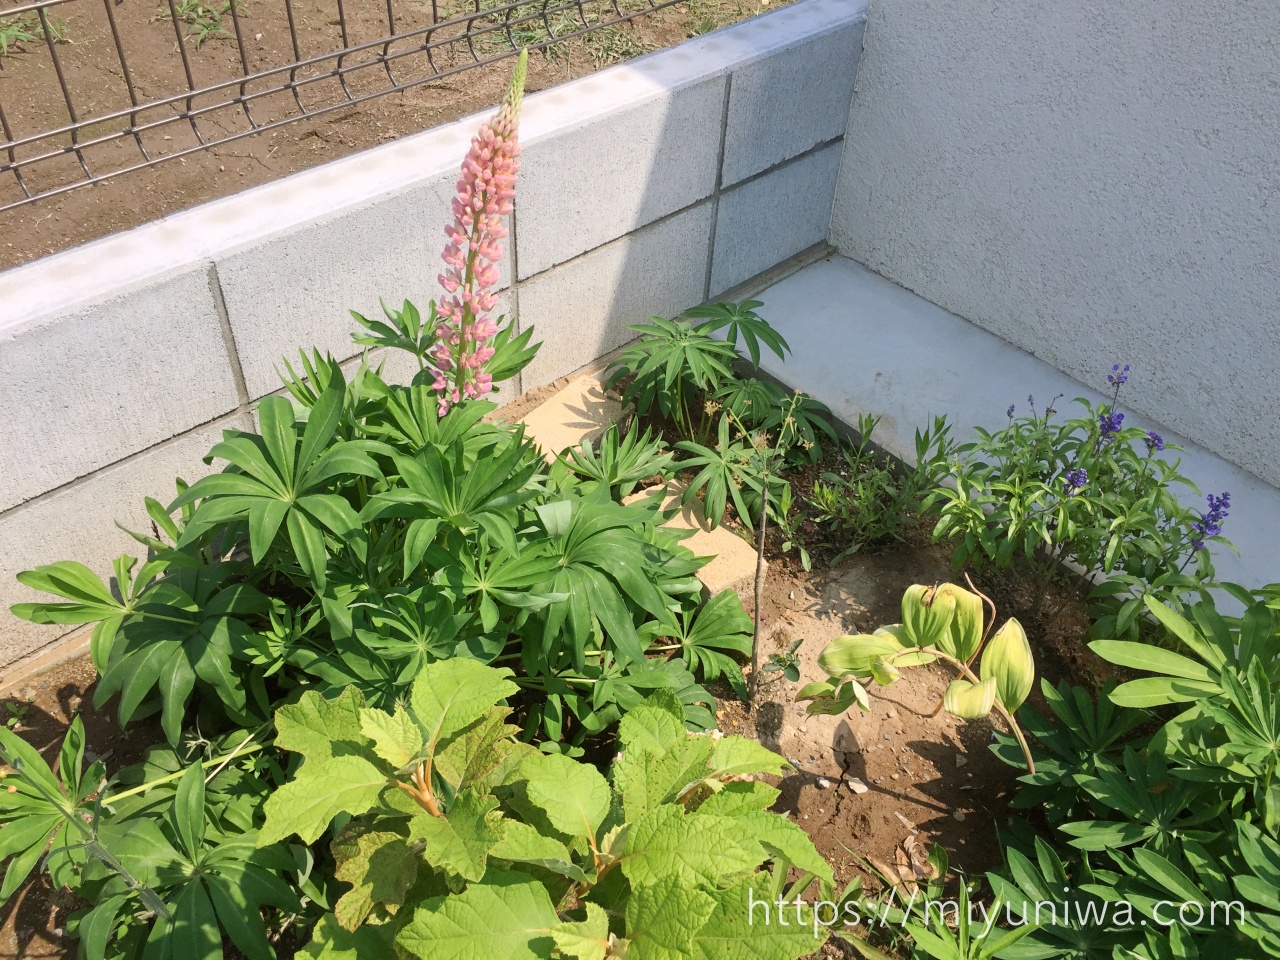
[647,188]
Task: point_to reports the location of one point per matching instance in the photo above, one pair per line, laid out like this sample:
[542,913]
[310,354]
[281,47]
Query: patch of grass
[613,45]
[16,31]
[704,16]
[205,19]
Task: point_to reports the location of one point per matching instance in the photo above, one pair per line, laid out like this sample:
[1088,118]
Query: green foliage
[867,500]
[742,325]
[459,841]
[379,537]
[204,19]
[1187,815]
[172,867]
[623,461]
[1013,496]
[666,371]
[938,623]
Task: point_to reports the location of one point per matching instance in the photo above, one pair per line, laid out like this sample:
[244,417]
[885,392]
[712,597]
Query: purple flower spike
[1118,375]
[1075,480]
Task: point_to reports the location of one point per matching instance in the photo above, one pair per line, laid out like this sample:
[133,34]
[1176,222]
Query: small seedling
[17,714]
[787,664]
[205,19]
[15,31]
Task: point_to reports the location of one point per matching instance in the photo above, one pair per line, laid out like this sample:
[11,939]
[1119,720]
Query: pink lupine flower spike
[486,190]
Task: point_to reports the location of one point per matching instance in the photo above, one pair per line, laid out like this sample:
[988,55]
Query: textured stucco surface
[1092,183]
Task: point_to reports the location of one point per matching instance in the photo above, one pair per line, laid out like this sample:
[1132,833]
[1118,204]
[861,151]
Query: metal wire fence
[93,89]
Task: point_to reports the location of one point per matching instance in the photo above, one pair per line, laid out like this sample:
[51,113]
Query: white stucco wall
[1093,182]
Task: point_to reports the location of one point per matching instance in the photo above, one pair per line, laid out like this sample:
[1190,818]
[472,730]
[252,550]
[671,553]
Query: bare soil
[33,101]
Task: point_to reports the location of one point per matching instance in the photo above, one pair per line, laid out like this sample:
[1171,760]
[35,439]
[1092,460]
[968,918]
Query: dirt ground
[33,103]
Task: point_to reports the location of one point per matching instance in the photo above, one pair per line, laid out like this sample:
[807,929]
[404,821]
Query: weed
[15,31]
[205,19]
[868,501]
[17,714]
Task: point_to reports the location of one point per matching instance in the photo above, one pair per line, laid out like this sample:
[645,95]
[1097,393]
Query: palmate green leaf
[664,918]
[460,841]
[333,779]
[509,916]
[314,725]
[731,931]
[648,779]
[330,941]
[380,866]
[584,939]
[735,756]
[574,796]
[667,842]
[780,837]
[740,798]
[654,726]
[396,737]
[453,694]
[522,843]
[322,789]
[485,754]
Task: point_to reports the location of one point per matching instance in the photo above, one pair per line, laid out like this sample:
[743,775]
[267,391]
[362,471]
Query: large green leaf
[574,796]
[459,842]
[667,842]
[663,919]
[454,694]
[509,916]
[321,790]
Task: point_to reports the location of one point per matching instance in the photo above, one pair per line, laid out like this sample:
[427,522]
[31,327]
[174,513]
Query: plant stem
[973,678]
[759,591]
[241,750]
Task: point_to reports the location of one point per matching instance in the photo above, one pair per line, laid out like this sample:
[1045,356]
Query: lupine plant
[363,583]
[1187,812]
[1087,491]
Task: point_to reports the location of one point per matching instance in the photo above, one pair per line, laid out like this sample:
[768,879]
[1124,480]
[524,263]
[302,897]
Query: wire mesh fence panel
[93,89]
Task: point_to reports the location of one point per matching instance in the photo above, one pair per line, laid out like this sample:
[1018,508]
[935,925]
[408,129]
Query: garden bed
[929,779]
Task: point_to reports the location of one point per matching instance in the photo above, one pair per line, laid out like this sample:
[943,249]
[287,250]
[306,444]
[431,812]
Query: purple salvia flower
[1118,375]
[1075,480]
[1210,523]
[1109,424]
[1154,442]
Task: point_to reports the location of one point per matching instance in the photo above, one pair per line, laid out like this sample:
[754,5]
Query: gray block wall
[1091,182]
[647,188]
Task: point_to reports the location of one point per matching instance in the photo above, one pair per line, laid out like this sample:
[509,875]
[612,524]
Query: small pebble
[961,760]
[823,783]
[856,785]
[888,736]
[959,816]
[892,714]
[893,776]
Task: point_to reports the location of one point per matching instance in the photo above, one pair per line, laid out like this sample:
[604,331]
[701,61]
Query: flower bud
[1008,661]
[964,633]
[969,701]
[926,614]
